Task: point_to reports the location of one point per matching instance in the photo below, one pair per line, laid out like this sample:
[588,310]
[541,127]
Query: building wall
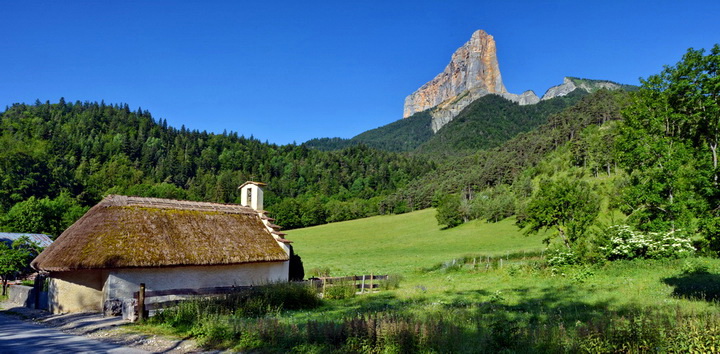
[122,283]
[76,291]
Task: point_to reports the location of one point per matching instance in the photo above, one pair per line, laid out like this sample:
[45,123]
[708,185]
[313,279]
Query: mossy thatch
[124,232]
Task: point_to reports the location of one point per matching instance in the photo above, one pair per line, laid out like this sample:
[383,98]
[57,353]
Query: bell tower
[251,194]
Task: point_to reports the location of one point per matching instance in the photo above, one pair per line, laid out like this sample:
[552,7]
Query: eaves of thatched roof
[129,232]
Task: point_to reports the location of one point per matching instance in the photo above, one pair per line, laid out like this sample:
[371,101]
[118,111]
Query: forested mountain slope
[399,136]
[487,122]
[505,164]
[85,150]
[490,121]
[65,156]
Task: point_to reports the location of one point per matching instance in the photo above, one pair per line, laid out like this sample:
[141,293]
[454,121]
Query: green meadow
[401,244]
[480,287]
[479,261]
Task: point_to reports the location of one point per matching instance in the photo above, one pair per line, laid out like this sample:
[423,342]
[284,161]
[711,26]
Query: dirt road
[17,336]
[23,330]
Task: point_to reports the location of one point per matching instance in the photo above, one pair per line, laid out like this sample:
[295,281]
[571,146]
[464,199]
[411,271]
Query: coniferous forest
[60,158]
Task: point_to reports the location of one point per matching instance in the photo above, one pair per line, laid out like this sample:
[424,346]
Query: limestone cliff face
[473,66]
[473,72]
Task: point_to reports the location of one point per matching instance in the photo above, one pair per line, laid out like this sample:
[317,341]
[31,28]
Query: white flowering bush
[561,257]
[624,243]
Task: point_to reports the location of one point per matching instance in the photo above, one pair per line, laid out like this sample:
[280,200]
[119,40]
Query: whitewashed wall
[121,284]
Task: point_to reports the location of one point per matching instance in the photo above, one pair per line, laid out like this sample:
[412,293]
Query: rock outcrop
[570,84]
[527,97]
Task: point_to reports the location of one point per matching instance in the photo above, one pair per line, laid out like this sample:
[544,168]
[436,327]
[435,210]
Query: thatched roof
[121,232]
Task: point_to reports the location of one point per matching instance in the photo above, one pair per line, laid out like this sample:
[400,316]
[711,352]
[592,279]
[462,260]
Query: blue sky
[287,71]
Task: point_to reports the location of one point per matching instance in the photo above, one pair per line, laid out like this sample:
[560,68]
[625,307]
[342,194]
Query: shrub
[291,296]
[561,257]
[392,282]
[341,290]
[624,243]
[695,266]
[448,211]
[582,275]
[249,303]
[320,272]
[494,204]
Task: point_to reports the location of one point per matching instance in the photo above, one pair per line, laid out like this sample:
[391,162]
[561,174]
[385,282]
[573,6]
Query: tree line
[62,157]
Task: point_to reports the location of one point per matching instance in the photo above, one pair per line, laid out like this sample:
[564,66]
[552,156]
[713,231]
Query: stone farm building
[166,244]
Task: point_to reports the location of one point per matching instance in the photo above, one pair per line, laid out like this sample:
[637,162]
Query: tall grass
[560,318]
[246,303]
[481,328]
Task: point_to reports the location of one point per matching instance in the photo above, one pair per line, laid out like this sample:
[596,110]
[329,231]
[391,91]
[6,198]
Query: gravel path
[17,336]
[113,332]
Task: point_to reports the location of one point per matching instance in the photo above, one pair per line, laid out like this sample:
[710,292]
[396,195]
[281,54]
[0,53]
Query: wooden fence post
[362,290]
[371,282]
[141,303]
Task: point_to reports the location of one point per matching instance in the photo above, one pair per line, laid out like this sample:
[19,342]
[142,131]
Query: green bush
[448,211]
[320,272]
[392,282]
[342,290]
[695,266]
[561,257]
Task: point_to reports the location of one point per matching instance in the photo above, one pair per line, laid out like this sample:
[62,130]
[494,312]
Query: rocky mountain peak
[474,66]
[473,72]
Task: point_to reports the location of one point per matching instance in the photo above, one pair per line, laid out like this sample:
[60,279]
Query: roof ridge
[162,203]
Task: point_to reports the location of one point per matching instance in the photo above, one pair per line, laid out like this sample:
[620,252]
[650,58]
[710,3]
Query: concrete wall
[25,296]
[76,291]
[21,295]
[122,283]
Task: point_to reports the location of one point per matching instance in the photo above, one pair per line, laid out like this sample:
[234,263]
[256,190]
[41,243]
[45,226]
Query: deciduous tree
[567,205]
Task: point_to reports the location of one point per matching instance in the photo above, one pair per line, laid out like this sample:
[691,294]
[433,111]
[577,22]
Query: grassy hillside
[402,243]
[413,246]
